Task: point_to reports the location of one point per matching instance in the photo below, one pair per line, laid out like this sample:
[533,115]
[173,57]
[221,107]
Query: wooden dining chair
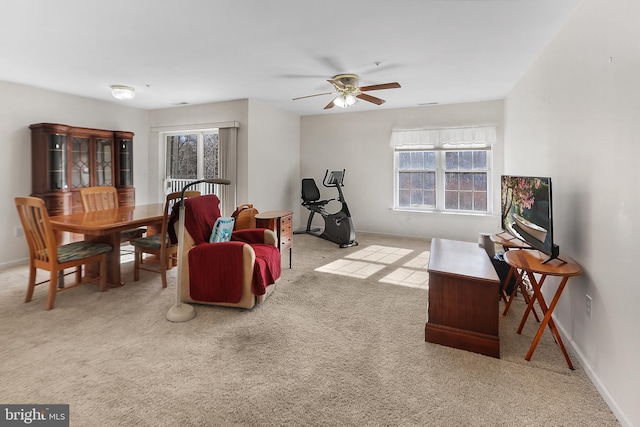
[99,198]
[104,197]
[44,252]
[159,244]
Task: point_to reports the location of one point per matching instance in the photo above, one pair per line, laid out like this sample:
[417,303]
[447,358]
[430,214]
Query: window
[194,153]
[442,180]
[416,179]
[466,181]
[442,170]
[192,156]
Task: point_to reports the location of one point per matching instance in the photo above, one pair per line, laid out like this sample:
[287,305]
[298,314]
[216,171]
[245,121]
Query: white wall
[359,143]
[274,158]
[574,117]
[21,106]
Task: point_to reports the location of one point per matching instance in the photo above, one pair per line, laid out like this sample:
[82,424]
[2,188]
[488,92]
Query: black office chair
[311,200]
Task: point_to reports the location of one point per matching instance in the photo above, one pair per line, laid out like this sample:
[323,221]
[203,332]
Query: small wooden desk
[530,261]
[105,226]
[462,311]
[281,224]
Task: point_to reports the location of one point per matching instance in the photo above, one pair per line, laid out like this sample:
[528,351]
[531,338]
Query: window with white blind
[443,170]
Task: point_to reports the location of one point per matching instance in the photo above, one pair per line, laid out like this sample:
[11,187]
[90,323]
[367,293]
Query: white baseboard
[599,385]
[6,265]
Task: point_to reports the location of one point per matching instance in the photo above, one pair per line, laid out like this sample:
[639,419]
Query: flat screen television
[527,212]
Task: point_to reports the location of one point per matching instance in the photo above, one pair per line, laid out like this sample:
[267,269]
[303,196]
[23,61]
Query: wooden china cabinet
[65,159]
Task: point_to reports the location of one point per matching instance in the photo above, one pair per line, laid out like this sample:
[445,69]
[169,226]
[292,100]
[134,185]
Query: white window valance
[463,137]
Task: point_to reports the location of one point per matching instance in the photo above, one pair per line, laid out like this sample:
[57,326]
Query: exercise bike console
[338,227]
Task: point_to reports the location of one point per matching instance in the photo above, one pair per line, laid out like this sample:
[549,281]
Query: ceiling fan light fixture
[123,92]
[347,90]
[344,100]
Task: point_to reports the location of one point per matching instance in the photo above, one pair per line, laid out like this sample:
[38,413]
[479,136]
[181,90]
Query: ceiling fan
[347,90]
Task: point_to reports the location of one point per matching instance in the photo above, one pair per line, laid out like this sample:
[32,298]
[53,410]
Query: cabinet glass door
[80,166]
[104,162]
[126,162]
[57,146]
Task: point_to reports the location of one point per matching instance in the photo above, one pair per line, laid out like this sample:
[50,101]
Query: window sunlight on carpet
[375,258]
[413,273]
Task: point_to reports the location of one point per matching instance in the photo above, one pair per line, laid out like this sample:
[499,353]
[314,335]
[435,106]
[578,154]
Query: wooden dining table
[105,226]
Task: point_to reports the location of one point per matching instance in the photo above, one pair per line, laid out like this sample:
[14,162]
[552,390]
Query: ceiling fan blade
[309,96]
[302,76]
[331,62]
[338,84]
[330,105]
[370,98]
[393,85]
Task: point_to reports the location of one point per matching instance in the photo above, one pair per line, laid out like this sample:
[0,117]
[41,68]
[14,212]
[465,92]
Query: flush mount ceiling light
[123,92]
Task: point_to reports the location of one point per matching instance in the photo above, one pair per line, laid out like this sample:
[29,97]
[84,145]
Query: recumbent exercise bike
[338,227]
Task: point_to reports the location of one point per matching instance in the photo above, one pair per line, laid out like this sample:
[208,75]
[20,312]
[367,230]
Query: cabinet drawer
[285,242]
[285,229]
[285,225]
[126,197]
[286,220]
[56,204]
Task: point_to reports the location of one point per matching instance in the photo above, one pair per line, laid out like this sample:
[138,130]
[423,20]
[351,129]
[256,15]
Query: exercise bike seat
[311,194]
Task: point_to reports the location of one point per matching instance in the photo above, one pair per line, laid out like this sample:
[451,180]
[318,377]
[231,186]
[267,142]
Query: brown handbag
[245,216]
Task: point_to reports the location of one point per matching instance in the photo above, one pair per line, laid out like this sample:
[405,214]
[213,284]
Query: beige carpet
[325,349]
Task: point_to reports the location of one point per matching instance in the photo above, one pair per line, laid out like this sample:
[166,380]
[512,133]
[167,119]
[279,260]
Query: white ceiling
[200,51]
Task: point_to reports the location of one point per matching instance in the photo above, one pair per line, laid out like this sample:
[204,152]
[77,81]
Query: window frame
[227,160]
[440,185]
[200,152]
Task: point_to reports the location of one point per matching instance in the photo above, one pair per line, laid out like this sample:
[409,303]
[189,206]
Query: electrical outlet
[18,232]
[588,305]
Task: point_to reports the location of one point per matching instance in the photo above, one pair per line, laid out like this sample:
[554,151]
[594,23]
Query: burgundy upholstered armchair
[239,273]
